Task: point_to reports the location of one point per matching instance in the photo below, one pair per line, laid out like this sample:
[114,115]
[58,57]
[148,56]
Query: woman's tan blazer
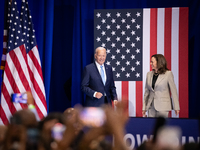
[160,95]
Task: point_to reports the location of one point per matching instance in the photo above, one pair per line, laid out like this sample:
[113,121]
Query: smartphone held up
[19,98]
[92,116]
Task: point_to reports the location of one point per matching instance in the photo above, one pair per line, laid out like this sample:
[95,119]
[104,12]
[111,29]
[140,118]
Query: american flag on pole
[131,37]
[5,33]
[23,68]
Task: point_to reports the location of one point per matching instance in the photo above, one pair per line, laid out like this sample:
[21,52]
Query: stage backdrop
[131,37]
[65,37]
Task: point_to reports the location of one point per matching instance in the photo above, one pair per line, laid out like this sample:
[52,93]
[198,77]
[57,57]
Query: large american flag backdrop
[22,64]
[131,37]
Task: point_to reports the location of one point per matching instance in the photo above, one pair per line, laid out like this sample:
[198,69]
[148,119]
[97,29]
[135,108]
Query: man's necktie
[102,75]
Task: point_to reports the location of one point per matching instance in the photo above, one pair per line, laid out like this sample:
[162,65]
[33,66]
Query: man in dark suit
[97,82]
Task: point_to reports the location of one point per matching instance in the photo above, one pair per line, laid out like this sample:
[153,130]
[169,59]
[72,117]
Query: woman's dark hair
[161,63]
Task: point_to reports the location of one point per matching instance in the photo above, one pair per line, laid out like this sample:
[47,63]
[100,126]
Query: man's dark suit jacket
[92,82]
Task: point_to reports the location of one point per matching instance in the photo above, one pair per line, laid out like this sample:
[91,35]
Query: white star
[127,75]
[103,33]
[13,29]
[123,45]
[118,27]
[123,20]
[127,51]
[118,51]
[137,50]
[138,26]
[113,69]
[113,21]
[132,45]
[138,14]
[137,62]
[132,57]
[113,33]
[118,63]
[108,51]
[98,27]
[127,38]
[133,32]
[123,57]
[118,39]
[118,14]
[108,39]
[132,69]
[137,75]
[117,75]
[127,26]
[123,32]
[103,45]
[127,63]
[17,37]
[15,43]
[122,69]
[108,63]
[137,38]
[113,57]
[128,14]
[98,39]
[108,15]
[15,23]
[108,27]
[103,21]
[113,45]
[133,20]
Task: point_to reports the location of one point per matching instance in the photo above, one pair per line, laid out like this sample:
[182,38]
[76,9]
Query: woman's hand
[144,113]
[177,112]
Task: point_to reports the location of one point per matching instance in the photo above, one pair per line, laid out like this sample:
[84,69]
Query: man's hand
[115,102]
[98,95]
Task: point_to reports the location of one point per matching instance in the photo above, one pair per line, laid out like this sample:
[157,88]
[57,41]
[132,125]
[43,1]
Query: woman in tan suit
[159,83]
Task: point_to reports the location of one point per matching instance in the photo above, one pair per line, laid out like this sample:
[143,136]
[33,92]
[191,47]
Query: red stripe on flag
[39,93]
[167,39]
[168,30]
[3,116]
[18,67]
[36,63]
[153,32]
[36,87]
[125,96]
[8,99]
[183,62]
[139,100]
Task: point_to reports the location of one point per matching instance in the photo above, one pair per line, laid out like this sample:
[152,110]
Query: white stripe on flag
[39,102]
[5,32]
[15,74]
[23,65]
[36,75]
[160,30]
[5,107]
[146,45]
[132,99]
[118,85]
[10,91]
[175,48]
